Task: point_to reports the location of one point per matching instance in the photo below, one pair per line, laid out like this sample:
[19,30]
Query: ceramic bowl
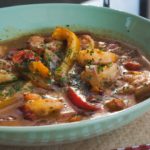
[15,21]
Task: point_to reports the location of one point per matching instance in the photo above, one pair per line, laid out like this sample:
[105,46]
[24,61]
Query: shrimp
[96,56]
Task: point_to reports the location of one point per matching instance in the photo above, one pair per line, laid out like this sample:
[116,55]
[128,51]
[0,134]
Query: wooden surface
[135,133]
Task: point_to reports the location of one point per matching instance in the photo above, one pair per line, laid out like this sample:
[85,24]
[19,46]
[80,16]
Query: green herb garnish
[100,68]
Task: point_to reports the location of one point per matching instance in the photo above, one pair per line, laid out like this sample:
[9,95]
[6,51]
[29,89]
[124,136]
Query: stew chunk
[115,105]
[96,56]
[36,106]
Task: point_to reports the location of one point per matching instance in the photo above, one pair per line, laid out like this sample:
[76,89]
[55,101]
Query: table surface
[135,133]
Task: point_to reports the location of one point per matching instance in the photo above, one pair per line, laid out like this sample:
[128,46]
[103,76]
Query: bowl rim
[95,120]
[76,5]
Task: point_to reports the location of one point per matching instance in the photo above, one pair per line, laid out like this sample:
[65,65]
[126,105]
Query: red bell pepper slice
[17,58]
[79,102]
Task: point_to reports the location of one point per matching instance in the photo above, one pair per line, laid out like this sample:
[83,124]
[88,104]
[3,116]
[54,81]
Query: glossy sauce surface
[129,85]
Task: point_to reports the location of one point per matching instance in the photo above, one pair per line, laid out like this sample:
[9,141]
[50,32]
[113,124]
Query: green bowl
[15,21]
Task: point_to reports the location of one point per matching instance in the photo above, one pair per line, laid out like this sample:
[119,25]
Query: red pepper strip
[77,101]
[22,55]
[17,58]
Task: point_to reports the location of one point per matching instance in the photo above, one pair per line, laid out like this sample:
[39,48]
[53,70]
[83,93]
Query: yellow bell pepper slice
[39,67]
[73,47]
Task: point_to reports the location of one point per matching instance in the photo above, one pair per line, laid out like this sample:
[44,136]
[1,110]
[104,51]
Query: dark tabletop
[4,3]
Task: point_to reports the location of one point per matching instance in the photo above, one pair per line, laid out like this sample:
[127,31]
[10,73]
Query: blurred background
[137,7]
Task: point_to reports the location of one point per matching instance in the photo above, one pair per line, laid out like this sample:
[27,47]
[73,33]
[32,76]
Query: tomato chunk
[23,55]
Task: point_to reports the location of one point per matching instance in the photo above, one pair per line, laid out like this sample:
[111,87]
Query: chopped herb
[89,77]
[11,91]
[69,51]
[109,65]
[1,94]
[25,65]
[27,87]
[145,85]
[100,68]
[88,51]
[89,61]
[2,86]
[59,44]
[18,86]
[16,65]
[91,52]
[59,69]
[49,81]
[48,57]
[14,77]
[65,62]
[106,84]
[63,79]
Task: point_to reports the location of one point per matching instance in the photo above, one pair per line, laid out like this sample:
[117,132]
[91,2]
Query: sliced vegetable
[96,56]
[73,47]
[40,68]
[79,102]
